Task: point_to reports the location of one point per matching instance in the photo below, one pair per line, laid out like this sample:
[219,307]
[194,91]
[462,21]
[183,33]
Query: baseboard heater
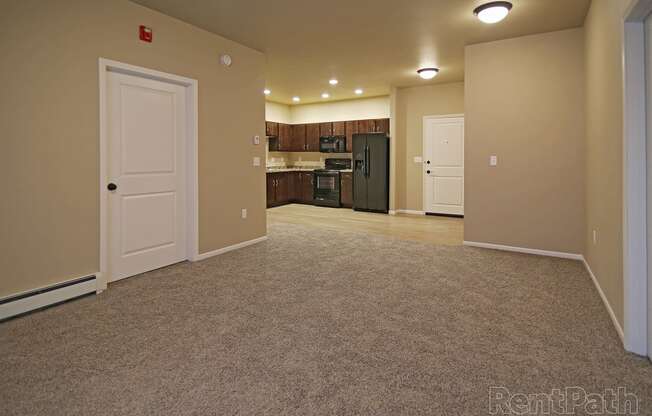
[15,305]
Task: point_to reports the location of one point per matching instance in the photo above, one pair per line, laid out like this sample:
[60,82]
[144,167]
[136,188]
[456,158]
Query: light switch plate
[256,161]
[418,159]
[256,139]
[244,213]
[493,161]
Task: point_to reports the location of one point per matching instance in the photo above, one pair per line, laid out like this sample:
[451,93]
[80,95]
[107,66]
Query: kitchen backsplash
[301,159]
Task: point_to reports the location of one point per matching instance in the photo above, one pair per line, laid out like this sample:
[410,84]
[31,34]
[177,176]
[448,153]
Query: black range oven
[327,182]
[332,144]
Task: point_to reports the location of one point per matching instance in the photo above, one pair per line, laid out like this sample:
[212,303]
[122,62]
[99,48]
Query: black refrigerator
[371,172]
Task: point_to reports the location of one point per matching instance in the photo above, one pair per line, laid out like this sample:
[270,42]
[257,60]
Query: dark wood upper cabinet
[381,125]
[298,138]
[305,137]
[366,126]
[325,129]
[271,128]
[350,128]
[284,137]
[338,128]
[312,137]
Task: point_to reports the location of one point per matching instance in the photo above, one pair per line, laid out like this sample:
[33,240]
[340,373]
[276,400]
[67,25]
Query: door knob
[428,172]
[112,186]
[428,162]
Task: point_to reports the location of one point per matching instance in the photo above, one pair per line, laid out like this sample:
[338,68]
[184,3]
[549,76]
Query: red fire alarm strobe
[145,33]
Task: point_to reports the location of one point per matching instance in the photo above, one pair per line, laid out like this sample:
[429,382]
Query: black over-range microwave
[332,144]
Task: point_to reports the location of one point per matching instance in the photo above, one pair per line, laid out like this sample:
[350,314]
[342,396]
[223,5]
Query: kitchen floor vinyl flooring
[421,228]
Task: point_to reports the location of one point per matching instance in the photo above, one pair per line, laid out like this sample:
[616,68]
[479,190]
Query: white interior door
[648,68]
[147,164]
[443,165]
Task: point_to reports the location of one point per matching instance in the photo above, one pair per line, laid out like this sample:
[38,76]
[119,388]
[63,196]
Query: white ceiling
[371,44]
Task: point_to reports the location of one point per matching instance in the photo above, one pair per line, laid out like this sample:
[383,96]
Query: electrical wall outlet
[256,139]
[244,213]
[256,161]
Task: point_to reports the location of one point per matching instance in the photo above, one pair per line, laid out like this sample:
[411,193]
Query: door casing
[635,255]
[192,187]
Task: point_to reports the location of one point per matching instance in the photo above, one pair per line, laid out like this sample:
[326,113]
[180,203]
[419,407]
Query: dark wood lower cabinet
[346,189]
[271,189]
[282,188]
[287,187]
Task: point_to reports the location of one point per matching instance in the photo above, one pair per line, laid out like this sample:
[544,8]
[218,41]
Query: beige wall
[524,102]
[604,138]
[360,109]
[278,112]
[412,104]
[49,118]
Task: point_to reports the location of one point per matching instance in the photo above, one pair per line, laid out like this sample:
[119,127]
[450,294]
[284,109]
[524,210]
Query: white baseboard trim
[392,212]
[524,250]
[410,212]
[39,298]
[607,305]
[209,254]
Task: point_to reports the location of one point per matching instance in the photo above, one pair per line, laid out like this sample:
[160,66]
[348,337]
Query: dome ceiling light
[428,73]
[493,12]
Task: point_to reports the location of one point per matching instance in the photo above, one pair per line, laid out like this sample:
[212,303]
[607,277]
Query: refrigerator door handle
[367,157]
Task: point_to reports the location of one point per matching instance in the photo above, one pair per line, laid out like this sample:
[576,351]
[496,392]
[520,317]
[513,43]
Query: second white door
[443,165]
[146,174]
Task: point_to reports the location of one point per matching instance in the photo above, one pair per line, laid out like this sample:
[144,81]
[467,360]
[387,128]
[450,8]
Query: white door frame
[192,211]
[423,151]
[635,261]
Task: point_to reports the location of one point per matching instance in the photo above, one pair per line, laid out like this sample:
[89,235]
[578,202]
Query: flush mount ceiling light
[428,73]
[296,99]
[325,95]
[493,12]
[267,91]
[333,81]
[358,91]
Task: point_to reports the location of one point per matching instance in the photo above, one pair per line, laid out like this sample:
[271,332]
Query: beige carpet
[316,322]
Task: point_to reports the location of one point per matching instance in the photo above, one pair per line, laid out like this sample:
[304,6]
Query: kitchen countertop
[280,170]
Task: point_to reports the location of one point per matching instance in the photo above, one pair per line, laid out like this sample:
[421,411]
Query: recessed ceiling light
[358,91]
[428,73]
[267,91]
[296,99]
[325,95]
[493,12]
[333,81]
